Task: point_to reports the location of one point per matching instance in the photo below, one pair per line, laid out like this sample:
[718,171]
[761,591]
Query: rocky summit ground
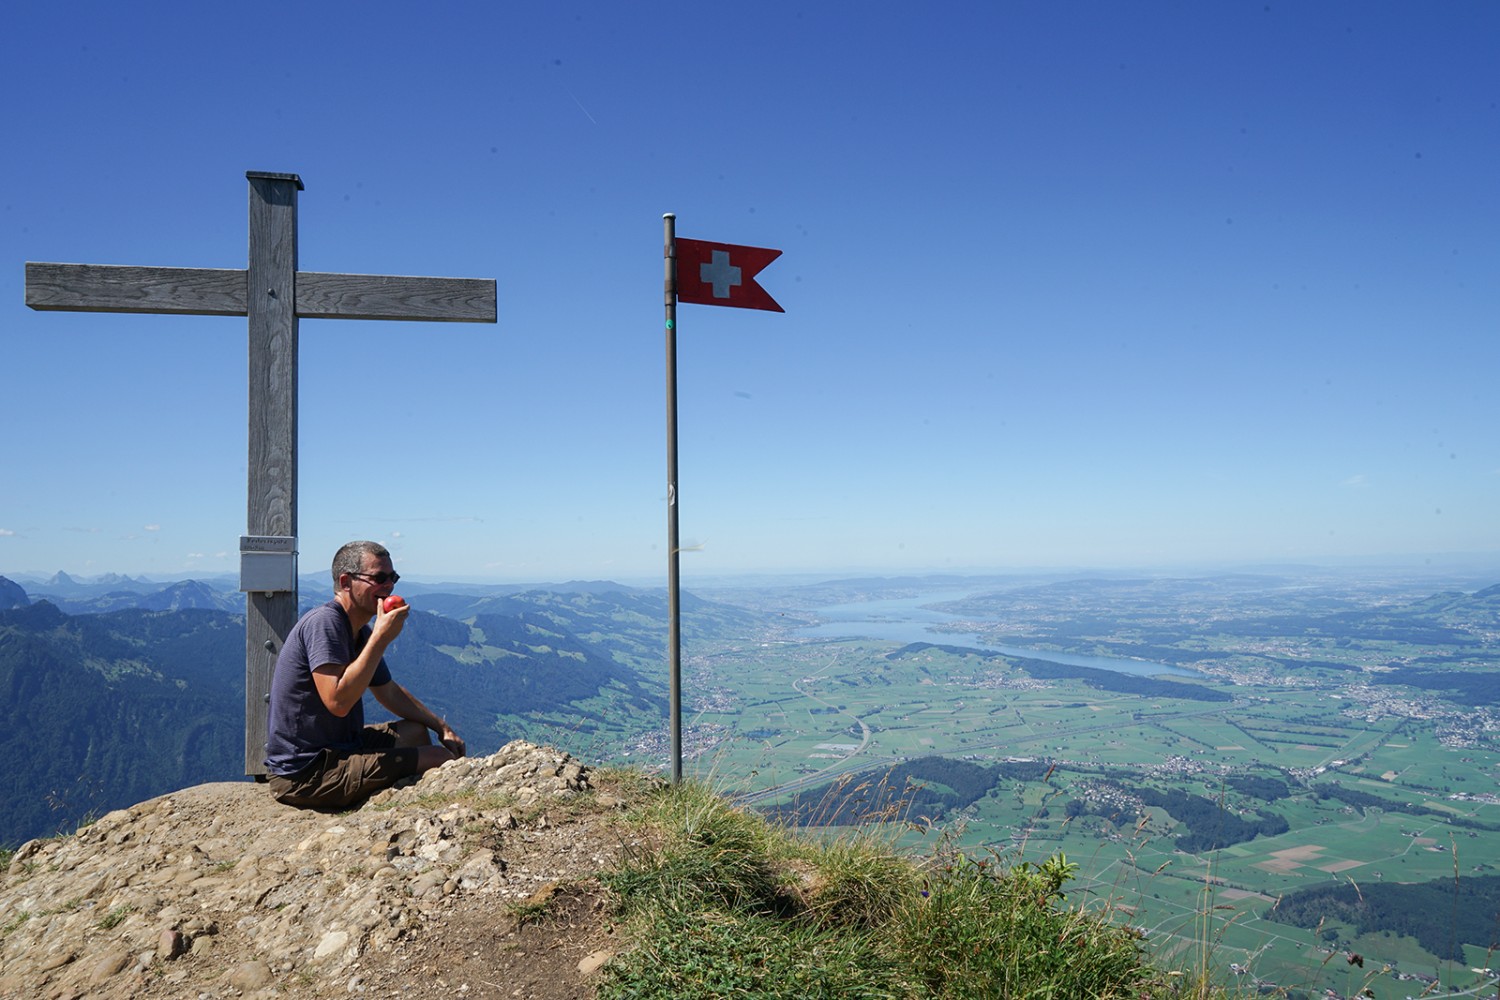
[476,881]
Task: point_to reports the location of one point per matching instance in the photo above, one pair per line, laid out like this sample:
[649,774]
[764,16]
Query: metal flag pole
[718,274]
[674,624]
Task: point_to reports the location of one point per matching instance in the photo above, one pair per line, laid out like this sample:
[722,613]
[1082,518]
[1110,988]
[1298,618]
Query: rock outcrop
[219,891]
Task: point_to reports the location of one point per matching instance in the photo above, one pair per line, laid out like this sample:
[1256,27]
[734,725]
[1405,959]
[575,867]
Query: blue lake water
[905,620]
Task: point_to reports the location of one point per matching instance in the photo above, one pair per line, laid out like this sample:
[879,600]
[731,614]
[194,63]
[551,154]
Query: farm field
[1339,778]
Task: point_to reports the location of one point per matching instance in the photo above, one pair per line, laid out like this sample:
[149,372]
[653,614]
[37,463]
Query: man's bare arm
[403,704]
[342,685]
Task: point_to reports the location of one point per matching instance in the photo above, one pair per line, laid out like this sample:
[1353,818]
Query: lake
[906,620]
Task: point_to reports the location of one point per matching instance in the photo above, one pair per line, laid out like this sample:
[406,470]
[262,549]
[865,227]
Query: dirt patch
[1304,852]
[470,950]
[1289,860]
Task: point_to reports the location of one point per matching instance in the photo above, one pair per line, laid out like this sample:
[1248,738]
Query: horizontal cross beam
[204,291]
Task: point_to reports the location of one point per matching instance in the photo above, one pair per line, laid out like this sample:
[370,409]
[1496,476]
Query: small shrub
[980,929]
[854,882]
[708,854]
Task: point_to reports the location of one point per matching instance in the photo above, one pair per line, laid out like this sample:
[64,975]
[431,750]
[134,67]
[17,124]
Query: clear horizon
[1473,568]
[1152,285]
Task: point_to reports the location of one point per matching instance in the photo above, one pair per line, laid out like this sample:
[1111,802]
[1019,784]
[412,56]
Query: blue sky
[1087,284]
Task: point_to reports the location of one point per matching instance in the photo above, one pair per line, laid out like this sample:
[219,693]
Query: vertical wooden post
[271,300]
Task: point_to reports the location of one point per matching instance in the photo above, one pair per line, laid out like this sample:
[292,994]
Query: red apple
[392,603]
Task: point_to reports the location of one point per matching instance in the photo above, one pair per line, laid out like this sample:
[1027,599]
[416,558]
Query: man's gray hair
[351,558]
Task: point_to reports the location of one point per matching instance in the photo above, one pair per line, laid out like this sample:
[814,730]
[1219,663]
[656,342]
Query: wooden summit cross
[274,295]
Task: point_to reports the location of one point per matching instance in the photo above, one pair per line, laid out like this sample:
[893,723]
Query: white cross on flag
[723,274]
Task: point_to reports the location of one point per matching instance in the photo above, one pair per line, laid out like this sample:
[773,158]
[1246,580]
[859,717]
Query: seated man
[320,752]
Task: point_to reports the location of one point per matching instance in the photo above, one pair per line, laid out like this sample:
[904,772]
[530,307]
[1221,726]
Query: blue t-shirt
[300,724]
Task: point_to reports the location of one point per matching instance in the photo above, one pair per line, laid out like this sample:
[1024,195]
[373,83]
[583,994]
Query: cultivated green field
[1284,726]
[786,715]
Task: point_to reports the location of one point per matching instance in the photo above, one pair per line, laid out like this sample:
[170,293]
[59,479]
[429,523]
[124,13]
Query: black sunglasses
[379,579]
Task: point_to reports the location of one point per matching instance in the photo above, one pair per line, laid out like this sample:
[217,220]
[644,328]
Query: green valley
[1287,781]
[1296,760]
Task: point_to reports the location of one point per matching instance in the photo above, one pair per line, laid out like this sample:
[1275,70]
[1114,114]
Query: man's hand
[388,624]
[448,738]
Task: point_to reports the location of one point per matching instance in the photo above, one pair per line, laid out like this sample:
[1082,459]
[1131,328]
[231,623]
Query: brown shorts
[338,778]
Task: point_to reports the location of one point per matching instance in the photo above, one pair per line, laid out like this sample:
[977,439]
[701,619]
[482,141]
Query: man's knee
[412,734]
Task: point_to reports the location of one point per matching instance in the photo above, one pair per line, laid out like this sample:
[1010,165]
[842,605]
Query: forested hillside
[1443,915]
[99,712]
[103,710]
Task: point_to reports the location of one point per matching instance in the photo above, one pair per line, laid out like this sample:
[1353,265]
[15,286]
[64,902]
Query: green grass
[722,903]
[774,739]
[114,917]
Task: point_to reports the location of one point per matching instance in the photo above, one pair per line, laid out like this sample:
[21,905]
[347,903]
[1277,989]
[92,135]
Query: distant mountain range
[113,697]
[118,689]
[61,586]
[173,597]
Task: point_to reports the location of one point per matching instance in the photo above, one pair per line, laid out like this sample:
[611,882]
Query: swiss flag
[723,274]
